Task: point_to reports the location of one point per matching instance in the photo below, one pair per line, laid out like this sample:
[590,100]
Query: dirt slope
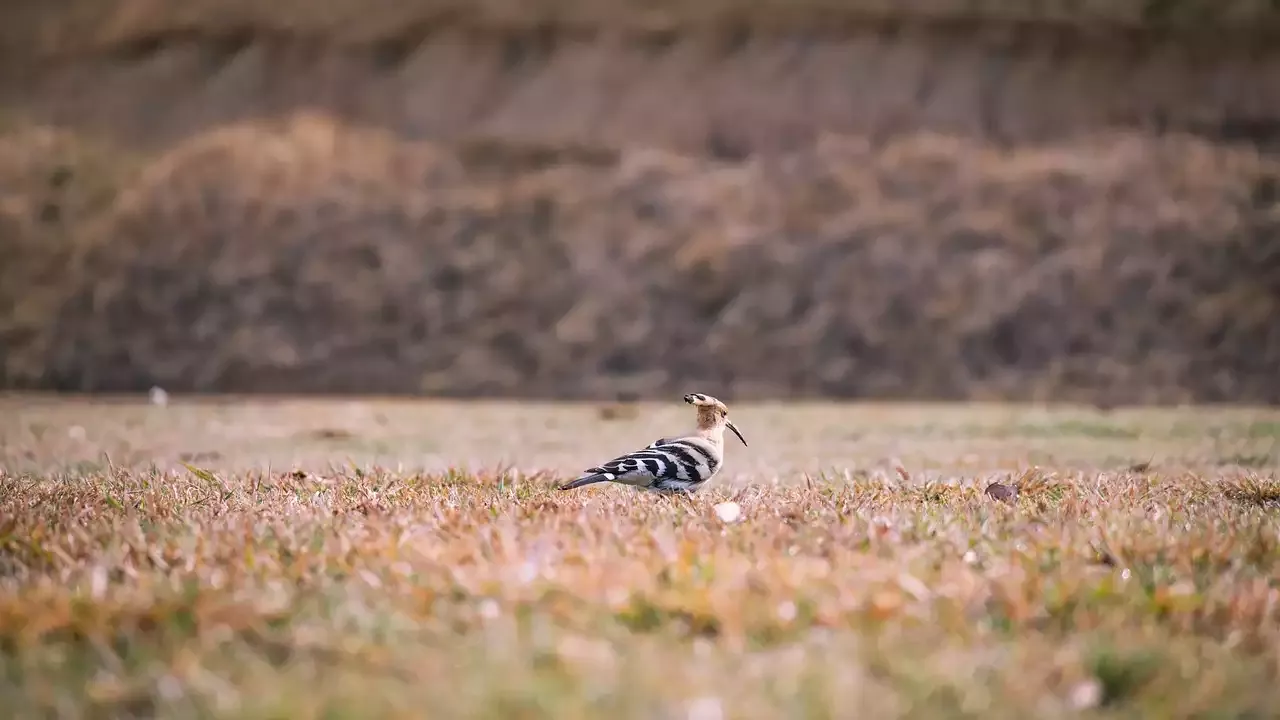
[726,90]
[824,201]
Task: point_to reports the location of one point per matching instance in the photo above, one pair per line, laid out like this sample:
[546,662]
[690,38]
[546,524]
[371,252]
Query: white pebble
[1086,695]
[786,611]
[706,708]
[159,396]
[728,511]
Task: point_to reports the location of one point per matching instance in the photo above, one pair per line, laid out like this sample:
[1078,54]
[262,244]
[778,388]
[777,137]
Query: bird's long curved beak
[729,424]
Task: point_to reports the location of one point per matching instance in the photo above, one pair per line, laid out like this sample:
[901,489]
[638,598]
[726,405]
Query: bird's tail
[587,480]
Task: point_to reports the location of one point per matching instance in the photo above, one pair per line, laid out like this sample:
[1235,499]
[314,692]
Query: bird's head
[712,414]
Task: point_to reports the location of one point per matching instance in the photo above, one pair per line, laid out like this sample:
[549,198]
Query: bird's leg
[674,497]
[687,499]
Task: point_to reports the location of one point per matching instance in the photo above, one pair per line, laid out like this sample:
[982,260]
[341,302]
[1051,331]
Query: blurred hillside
[1071,200]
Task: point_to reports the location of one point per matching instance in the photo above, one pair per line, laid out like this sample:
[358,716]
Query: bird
[1002,492]
[678,464]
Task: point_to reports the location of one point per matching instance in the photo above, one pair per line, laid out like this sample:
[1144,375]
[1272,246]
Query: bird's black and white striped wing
[668,464]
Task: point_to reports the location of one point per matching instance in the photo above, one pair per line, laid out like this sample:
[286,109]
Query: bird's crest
[700,400]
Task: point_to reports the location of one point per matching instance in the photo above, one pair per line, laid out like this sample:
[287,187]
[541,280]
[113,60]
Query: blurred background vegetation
[949,199]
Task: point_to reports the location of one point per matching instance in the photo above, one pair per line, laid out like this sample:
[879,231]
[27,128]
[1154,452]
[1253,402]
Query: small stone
[706,708]
[1086,694]
[786,611]
[158,396]
[728,511]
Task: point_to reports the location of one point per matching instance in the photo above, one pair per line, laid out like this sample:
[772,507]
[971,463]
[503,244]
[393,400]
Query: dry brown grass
[322,588]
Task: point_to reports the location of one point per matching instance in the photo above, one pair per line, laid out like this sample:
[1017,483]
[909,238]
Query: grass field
[304,558]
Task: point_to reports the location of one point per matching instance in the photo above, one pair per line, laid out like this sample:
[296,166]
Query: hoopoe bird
[672,464]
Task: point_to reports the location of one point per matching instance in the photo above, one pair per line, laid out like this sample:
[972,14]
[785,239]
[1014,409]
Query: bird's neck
[710,429]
